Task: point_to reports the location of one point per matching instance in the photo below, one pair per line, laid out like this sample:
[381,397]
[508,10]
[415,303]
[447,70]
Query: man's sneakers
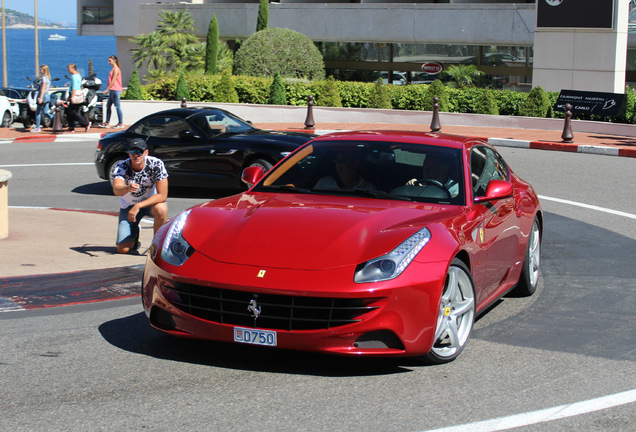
[118,126]
[88,126]
[104,125]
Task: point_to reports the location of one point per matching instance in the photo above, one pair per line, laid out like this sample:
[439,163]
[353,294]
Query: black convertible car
[201,147]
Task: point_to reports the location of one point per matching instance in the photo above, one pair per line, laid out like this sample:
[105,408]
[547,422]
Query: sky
[50,10]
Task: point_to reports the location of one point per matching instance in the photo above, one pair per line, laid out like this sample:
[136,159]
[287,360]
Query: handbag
[78,98]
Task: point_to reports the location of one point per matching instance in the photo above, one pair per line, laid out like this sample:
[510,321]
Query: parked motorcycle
[91,109]
[92,100]
[32,104]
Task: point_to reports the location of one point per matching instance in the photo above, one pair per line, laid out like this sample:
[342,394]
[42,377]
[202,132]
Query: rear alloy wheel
[529,278]
[265,165]
[456,315]
[113,167]
[7,119]
[261,163]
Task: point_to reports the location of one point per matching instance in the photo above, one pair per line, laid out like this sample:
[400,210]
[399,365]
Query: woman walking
[114,97]
[44,98]
[76,100]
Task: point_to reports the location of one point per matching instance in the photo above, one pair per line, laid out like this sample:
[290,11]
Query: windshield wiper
[363,193]
[286,188]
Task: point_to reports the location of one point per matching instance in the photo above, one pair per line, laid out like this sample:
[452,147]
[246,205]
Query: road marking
[545,415]
[49,164]
[589,206]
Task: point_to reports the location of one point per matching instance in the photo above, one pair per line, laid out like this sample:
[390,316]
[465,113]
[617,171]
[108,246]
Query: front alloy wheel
[456,315]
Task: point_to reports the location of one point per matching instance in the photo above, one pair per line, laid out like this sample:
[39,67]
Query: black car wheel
[46,122]
[6,119]
[260,163]
[112,166]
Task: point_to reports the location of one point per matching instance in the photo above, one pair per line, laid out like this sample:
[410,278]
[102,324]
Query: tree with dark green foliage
[329,94]
[277,95]
[379,97]
[486,103]
[133,92]
[537,104]
[182,90]
[263,15]
[436,88]
[225,91]
[212,47]
[285,51]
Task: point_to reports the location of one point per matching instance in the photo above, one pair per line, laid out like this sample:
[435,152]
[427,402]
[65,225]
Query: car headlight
[391,265]
[175,249]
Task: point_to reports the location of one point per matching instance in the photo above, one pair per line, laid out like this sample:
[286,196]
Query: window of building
[508,67]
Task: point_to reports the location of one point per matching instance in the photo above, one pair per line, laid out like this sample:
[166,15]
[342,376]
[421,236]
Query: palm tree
[194,57]
[463,75]
[173,45]
[177,30]
[152,49]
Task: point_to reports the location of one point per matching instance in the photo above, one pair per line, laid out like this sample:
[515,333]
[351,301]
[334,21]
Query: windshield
[388,170]
[215,122]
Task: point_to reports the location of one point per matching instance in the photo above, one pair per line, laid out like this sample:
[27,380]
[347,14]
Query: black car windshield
[214,122]
[389,170]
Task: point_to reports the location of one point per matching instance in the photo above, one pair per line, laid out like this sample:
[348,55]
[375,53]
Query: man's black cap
[137,143]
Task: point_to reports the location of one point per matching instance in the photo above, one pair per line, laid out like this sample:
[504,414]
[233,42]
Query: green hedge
[255,90]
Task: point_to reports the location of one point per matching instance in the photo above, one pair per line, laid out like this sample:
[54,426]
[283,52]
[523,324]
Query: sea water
[57,55]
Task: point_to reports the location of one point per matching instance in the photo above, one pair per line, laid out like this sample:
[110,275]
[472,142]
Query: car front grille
[276,311]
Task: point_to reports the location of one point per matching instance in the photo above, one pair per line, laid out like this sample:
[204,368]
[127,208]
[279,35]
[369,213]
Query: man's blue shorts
[129,231]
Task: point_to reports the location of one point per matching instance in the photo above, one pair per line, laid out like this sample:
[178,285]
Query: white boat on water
[57,37]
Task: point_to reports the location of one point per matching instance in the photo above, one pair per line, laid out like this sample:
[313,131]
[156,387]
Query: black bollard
[183,103]
[57,118]
[567,135]
[435,125]
[309,121]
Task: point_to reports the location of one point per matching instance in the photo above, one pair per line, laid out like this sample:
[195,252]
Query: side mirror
[188,134]
[252,175]
[496,189]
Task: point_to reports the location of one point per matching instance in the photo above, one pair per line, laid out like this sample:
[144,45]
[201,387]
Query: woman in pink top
[113,90]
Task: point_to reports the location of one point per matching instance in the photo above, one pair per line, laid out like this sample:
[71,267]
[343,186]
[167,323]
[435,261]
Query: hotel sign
[597,103]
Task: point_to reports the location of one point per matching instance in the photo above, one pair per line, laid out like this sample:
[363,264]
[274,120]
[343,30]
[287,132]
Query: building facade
[511,41]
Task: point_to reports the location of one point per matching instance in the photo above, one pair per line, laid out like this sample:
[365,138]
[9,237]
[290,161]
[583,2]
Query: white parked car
[398,78]
[8,111]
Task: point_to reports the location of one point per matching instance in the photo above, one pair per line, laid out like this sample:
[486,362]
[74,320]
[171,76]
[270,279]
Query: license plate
[254,336]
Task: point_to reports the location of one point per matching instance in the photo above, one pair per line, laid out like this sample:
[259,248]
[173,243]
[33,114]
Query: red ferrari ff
[359,243]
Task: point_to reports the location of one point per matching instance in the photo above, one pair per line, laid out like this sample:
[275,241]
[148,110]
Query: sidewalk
[543,139]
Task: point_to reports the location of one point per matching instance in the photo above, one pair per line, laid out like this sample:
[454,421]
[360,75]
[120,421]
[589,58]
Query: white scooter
[32,102]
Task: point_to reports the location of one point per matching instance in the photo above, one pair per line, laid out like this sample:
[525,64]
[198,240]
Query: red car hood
[304,231]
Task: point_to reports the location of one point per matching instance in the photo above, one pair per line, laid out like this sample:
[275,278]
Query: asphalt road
[99,367]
